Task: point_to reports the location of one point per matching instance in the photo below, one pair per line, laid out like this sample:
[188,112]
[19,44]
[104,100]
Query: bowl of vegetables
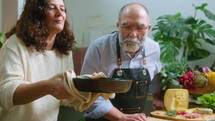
[207,100]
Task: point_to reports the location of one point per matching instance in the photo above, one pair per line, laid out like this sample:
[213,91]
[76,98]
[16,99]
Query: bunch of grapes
[187,80]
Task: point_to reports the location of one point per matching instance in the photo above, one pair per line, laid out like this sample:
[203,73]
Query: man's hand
[115,115]
[134,117]
[157,104]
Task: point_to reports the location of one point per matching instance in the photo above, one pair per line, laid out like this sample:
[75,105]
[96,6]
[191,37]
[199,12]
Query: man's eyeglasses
[139,28]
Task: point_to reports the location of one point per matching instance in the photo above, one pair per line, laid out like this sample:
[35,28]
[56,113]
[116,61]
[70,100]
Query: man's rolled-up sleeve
[99,108]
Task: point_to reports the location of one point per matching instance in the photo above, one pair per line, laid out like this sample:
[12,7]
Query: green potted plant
[2,39]
[184,36]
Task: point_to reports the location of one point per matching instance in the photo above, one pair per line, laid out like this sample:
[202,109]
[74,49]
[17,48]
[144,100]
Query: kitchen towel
[81,100]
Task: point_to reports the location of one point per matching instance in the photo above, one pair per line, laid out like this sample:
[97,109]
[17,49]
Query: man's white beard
[131,44]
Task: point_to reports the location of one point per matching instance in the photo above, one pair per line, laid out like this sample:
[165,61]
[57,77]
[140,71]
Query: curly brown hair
[32,30]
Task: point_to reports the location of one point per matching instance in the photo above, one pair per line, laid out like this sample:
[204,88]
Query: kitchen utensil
[102,85]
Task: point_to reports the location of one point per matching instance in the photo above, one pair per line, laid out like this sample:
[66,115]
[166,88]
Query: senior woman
[32,61]
[37,51]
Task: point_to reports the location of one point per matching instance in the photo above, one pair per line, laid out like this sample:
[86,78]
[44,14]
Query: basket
[204,90]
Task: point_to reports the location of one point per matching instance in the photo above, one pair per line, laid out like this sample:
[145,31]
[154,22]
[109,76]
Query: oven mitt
[81,100]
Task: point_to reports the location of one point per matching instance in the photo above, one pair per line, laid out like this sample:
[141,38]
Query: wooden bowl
[204,90]
[104,85]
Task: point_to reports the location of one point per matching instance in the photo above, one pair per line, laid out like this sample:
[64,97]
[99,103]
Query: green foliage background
[178,35]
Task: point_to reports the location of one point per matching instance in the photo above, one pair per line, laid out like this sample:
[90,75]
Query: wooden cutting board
[162,114]
[156,119]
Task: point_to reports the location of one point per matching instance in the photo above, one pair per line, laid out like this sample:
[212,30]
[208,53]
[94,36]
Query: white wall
[97,17]
[0,16]
[9,14]
[20,6]
[94,18]
[91,19]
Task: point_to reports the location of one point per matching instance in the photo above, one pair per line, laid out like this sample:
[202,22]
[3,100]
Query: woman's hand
[56,87]
[28,92]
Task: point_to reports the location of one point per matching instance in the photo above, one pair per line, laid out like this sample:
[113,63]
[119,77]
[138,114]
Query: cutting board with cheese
[176,102]
[162,114]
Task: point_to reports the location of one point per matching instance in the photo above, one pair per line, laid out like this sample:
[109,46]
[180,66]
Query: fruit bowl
[204,90]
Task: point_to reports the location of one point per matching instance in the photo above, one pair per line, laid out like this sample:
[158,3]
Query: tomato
[181,113]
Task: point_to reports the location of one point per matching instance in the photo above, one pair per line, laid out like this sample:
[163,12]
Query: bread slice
[207,111]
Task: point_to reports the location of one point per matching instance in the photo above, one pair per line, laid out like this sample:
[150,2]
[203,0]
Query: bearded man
[128,54]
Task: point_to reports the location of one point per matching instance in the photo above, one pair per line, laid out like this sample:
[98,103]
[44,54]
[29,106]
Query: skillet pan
[102,85]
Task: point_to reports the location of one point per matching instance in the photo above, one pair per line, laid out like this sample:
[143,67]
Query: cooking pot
[102,85]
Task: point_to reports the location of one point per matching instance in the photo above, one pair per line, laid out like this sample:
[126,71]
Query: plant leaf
[2,39]
[209,14]
[198,54]
[212,42]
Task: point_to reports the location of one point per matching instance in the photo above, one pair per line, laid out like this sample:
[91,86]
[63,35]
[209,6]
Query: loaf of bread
[207,111]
